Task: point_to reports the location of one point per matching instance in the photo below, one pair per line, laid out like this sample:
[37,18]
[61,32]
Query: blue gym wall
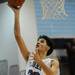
[55,27]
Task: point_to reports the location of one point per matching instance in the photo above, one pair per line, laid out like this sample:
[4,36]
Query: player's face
[42,45]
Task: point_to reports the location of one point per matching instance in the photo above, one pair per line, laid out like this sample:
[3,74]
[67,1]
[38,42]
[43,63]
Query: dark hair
[49,43]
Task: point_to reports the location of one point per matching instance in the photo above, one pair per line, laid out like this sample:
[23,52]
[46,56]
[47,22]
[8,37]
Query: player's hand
[37,57]
[14,9]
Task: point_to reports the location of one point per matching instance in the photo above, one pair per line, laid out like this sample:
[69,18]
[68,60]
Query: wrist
[17,12]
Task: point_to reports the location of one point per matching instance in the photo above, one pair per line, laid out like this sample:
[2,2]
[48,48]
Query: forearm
[17,24]
[46,69]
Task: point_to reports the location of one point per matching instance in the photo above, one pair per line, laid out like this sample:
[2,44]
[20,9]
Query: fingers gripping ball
[16,3]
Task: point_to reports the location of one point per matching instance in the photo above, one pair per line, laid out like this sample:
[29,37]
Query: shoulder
[52,59]
[47,60]
[55,61]
[54,65]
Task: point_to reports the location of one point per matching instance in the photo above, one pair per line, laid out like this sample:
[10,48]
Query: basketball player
[37,62]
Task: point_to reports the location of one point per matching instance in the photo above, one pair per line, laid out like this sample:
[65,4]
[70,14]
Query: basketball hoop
[53,9]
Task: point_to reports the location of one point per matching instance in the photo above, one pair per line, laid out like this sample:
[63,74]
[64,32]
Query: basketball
[15,3]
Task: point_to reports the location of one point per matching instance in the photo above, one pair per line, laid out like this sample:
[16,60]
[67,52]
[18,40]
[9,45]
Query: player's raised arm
[17,33]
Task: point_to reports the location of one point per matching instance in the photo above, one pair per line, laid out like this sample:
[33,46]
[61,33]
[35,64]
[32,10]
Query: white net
[53,9]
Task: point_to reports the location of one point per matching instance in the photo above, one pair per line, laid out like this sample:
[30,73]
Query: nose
[37,44]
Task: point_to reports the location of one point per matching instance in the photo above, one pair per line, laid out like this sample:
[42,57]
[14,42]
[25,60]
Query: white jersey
[33,68]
